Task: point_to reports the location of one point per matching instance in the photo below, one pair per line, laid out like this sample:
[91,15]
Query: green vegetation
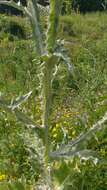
[89,5]
[83,6]
[79,100]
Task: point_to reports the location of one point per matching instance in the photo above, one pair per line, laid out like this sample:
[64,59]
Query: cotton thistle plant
[48,60]
[50,53]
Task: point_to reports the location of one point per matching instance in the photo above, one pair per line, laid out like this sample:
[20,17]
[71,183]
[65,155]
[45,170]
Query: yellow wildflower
[2,177]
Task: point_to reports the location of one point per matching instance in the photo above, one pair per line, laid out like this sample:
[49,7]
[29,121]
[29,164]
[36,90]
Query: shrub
[88,5]
[9,10]
[15,27]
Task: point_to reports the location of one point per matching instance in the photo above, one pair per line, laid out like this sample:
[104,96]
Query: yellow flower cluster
[2,176]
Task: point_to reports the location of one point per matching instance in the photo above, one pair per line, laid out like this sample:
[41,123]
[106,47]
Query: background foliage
[88,5]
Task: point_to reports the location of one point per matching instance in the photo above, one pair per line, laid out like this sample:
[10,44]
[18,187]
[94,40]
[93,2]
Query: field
[79,100]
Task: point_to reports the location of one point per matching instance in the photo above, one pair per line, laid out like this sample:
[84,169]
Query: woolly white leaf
[16,103]
[72,147]
[82,154]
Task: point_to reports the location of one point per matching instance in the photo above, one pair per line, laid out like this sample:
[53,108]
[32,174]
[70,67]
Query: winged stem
[55,7]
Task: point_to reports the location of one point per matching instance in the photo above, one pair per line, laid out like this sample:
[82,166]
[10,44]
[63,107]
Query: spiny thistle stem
[46,96]
[47,78]
[48,67]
